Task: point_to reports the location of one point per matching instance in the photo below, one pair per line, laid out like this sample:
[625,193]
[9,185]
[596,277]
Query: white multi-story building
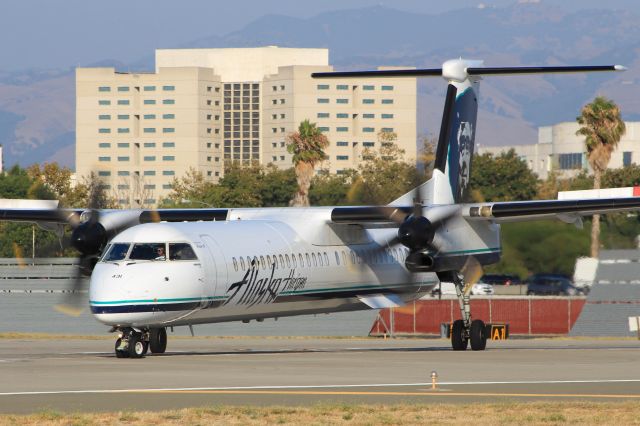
[203,108]
[559,149]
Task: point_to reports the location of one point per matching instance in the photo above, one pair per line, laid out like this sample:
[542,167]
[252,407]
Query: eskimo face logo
[465,146]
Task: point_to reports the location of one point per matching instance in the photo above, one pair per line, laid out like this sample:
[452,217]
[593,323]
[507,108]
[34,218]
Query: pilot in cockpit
[160,255]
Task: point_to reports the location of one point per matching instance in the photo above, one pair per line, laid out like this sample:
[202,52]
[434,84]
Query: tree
[602,127]
[307,146]
[427,154]
[502,178]
[331,190]
[383,176]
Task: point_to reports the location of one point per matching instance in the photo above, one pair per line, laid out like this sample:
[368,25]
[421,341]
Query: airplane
[156,269]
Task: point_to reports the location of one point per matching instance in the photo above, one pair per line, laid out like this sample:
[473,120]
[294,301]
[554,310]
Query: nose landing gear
[135,344]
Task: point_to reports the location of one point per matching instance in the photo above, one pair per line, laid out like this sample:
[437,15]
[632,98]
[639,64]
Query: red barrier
[525,315]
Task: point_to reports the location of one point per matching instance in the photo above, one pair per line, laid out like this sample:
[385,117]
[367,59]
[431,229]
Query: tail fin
[454,153]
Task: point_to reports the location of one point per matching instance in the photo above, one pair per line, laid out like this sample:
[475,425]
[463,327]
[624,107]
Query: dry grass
[547,413]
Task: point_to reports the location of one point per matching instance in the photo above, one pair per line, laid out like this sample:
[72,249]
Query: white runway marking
[293,387]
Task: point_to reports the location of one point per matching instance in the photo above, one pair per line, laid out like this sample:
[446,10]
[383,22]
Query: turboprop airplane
[153,269]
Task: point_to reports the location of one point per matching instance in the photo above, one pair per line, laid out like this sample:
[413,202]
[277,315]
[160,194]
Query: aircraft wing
[566,210]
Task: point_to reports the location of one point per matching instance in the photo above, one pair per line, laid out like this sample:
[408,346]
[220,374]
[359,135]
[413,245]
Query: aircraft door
[215,267]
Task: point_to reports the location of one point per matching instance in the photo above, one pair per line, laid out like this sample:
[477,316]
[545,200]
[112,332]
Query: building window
[123,89]
[104,145]
[342,157]
[626,158]
[103,130]
[323,115]
[104,117]
[570,161]
[342,101]
[123,130]
[104,89]
[323,129]
[342,143]
[368,116]
[123,102]
[168,116]
[342,115]
[104,173]
[123,144]
[149,88]
[168,144]
[149,173]
[323,100]
[387,101]
[387,115]
[149,101]
[149,130]
[368,129]
[123,186]
[368,144]
[149,186]
[123,116]
[149,158]
[368,101]
[168,158]
[166,186]
[387,129]
[387,87]
[123,173]
[323,87]
[342,129]
[168,101]
[342,87]
[104,102]
[168,88]
[168,173]
[368,87]
[149,144]
[104,158]
[149,116]
[123,158]
[168,130]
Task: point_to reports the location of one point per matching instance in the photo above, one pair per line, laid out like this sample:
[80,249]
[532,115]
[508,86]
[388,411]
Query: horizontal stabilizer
[379,301]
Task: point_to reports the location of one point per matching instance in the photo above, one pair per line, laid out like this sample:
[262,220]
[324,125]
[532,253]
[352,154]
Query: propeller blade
[72,305]
[17,253]
[471,271]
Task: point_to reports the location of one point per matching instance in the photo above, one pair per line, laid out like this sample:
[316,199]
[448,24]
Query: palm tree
[307,146]
[602,127]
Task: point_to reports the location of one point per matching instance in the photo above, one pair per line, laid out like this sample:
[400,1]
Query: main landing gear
[465,329]
[135,344]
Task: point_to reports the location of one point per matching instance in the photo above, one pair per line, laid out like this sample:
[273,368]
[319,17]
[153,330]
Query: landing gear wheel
[120,353]
[478,335]
[459,340]
[158,340]
[136,346]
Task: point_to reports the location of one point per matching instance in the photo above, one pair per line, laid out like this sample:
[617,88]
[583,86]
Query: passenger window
[326,258]
[281,261]
[315,262]
[344,258]
[181,251]
[353,257]
[293,259]
[148,251]
[235,264]
[269,260]
[308,259]
[337,258]
[241,263]
[249,263]
[117,251]
[286,258]
[255,262]
[301,259]
[264,265]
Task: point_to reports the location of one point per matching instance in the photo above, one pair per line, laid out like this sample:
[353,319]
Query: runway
[84,375]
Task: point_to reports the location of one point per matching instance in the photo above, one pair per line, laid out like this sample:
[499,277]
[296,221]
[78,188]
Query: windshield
[148,251]
[117,251]
[181,251]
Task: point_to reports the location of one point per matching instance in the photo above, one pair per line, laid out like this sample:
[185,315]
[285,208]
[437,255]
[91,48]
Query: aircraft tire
[136,346]
[120,354]
[158,340]
[458,340]
[478,335]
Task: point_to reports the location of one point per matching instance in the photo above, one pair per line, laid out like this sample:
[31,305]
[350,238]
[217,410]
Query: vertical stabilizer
[454,153]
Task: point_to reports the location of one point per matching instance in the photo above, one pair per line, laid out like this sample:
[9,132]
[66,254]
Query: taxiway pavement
[84,375]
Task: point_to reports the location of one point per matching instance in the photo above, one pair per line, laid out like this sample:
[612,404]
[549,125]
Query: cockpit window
[148,251]
[181,251]
[117,251]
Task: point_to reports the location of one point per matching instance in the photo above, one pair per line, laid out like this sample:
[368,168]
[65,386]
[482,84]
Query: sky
[65,33]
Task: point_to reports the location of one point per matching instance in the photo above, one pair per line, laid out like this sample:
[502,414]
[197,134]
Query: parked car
[551,284]
[482,288]
[500,279]
[449,288]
